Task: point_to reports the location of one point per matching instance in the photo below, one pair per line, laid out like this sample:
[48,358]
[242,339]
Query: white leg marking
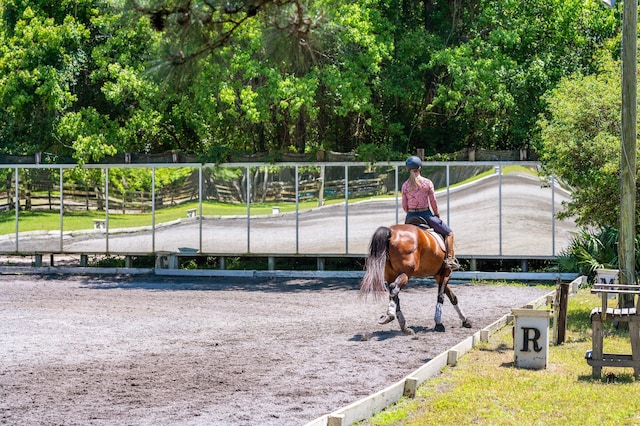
[461,314]
[438,316]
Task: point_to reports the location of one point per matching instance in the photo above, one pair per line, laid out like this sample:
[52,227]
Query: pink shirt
[422,196]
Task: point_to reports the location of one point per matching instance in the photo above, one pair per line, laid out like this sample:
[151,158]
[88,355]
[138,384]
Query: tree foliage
[41,56]
[92,78]
[581,143]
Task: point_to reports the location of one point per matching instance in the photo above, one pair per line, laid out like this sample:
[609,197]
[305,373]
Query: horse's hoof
[408,332]
[386,319]
[439,328]
[466,324]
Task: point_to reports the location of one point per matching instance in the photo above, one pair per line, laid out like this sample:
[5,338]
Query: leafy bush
[107,262]
[593,249]
[374,153]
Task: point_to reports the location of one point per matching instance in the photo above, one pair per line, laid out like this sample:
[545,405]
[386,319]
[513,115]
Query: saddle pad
[439,239]
[437,236]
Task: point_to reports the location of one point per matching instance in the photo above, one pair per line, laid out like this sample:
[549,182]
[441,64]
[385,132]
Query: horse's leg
[454,301]
[400,315]
[394,288]
[393,310]
[442,280]
[438,316]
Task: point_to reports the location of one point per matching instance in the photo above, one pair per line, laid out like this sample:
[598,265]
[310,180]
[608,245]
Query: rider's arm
[405,202]
[431,195]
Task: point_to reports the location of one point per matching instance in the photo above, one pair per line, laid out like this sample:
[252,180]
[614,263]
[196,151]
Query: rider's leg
[443,229]
[450,260]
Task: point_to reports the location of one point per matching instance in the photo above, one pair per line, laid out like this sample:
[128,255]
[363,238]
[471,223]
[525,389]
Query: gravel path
[144,350]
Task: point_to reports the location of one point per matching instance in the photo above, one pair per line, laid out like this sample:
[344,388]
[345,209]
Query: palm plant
[590,250]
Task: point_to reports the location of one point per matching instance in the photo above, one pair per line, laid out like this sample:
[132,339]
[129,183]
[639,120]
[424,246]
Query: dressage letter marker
[531,338]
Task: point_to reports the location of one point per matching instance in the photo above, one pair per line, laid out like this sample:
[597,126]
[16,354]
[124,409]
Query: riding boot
[450,261]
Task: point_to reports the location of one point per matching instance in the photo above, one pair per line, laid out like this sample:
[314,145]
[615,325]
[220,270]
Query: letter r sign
[530,335]
[531,338]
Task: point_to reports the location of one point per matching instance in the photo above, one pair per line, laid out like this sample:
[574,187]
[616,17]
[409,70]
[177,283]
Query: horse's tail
[373,280]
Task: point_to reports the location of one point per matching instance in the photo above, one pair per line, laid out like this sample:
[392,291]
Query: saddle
[421,223]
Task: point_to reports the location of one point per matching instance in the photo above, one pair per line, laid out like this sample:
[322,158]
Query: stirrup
[452,263]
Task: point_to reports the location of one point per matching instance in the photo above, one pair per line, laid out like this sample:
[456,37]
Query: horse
[402,251]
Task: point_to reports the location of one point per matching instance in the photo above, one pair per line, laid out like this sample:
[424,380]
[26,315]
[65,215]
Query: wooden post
[335,420]
[321,188]
[410,387]
[629,133]
[597,337]
[452,357]
[634,332]
[562,312]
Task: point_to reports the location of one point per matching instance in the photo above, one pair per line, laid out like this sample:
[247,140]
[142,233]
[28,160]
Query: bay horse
[398,253]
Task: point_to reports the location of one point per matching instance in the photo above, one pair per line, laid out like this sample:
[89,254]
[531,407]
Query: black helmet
[413,162]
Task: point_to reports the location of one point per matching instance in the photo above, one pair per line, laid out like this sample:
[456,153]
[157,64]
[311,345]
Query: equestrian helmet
[413,162]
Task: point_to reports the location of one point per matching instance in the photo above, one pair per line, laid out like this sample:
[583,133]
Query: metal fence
[496,209]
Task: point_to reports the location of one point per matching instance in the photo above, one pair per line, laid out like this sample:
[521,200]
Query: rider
[419,199]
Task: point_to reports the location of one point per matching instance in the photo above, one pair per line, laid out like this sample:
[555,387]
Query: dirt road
[188,351]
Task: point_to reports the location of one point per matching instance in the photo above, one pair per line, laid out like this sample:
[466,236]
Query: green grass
[486,389]
[507,170]
[49,220]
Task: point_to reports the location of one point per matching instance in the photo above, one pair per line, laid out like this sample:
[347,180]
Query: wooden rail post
[563,303]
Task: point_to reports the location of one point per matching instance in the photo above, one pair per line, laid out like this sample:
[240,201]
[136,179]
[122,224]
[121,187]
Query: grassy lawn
[41,220]
[46,220]
[485,388]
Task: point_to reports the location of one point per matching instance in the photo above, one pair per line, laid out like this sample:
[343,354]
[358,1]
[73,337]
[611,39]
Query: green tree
[295,79]
[89,78]
[489,84]
[580,139]
[41,56]
[138,111]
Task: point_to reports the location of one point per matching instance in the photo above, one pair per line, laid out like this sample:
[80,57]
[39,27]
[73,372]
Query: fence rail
[497,209]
